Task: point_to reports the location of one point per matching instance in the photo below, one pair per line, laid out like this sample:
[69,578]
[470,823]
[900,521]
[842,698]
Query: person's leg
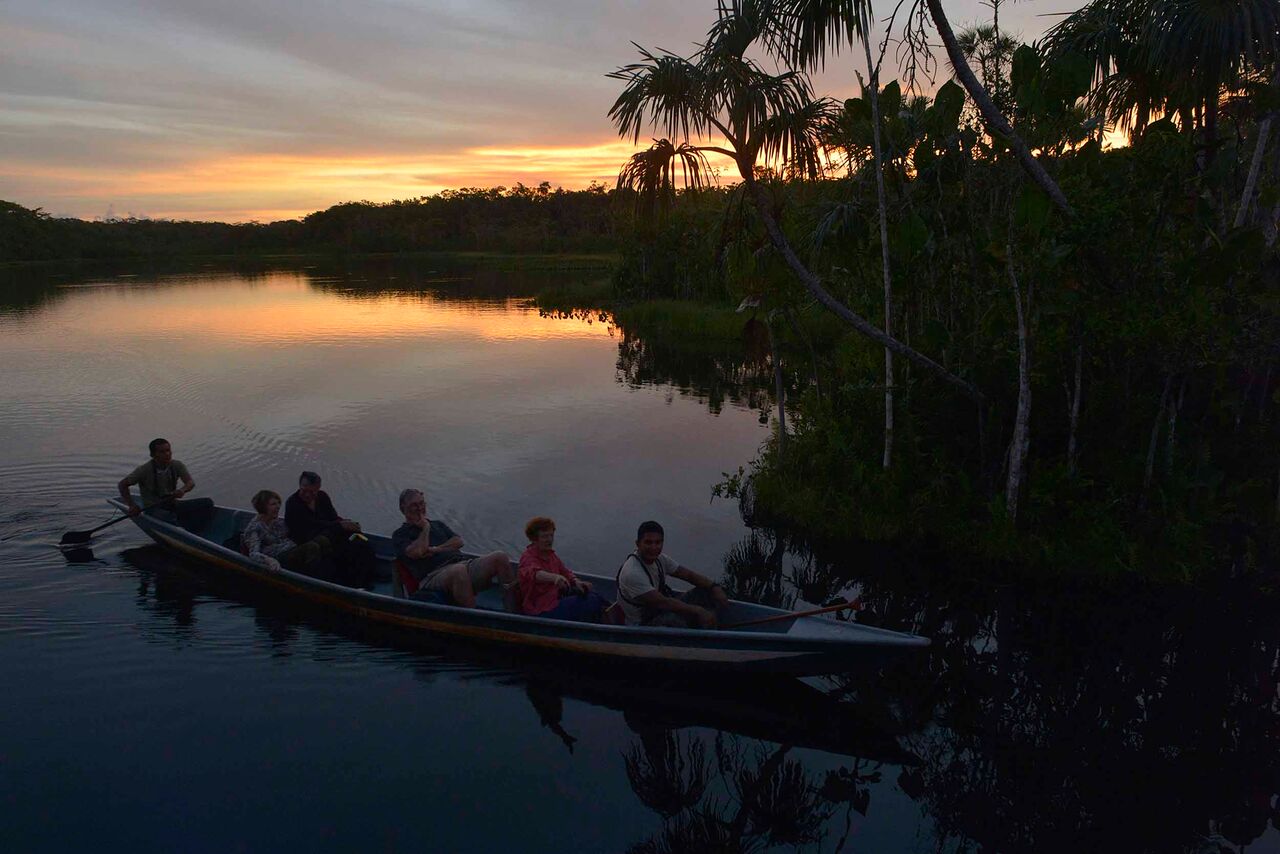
[493,568]
[496,568]
[697,596]
[669,620]
[454,580]
[580,609]
[300,557]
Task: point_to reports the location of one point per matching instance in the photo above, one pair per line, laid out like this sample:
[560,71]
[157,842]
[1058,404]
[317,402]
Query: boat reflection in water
[717,760]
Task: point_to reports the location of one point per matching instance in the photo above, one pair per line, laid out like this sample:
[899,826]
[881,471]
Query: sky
[239,110]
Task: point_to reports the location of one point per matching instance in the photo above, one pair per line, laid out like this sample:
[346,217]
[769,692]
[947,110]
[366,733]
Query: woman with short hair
[547,587]
[266,540]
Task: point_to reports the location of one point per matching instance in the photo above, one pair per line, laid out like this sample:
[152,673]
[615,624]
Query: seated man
[647,600]
[429,548]
[309,515]
[157,481]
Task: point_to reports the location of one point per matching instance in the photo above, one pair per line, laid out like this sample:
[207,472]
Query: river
[150,707]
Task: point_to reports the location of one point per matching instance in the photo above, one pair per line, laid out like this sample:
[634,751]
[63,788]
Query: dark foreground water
[148,707]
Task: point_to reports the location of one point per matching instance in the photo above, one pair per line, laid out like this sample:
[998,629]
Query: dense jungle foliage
[497,219]
[1081,337]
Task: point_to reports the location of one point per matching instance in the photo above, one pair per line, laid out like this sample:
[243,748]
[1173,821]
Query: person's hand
[719,596]
[349,526]
[179,492]
[274,565]
[133,509]
[706,619]
[584,586]
[562,583]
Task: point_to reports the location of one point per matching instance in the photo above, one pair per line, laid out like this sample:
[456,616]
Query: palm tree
[772,118]
[1171,57]
[993,52]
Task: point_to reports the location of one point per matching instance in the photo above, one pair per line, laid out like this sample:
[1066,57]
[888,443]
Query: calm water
[147,707]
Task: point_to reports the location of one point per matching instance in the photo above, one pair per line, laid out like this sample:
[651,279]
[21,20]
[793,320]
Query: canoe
[796,645]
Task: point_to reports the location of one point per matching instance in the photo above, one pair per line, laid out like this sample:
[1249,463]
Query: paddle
[79,538]
[855,604]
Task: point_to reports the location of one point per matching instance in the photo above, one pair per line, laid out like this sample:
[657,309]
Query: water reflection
[715,759]
[1062,717]
[1045,718]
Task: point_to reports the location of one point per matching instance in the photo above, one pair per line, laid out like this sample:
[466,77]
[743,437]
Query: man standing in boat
[647,600]
[309,515]
[430,549]
[157,482]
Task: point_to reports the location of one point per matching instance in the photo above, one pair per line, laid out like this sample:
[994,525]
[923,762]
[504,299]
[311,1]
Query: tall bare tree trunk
[873,71]
[1175,406]
[1021,441]
[1271,224]
[779,388]
[996,122]
[814,285]
[1255,165]
[1151,445]
[1073,400]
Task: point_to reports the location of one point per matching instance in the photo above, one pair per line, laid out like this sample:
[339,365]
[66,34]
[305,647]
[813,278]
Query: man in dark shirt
[309,515]
[430,549]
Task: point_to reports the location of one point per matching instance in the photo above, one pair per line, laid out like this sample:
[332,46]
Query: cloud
[233,109]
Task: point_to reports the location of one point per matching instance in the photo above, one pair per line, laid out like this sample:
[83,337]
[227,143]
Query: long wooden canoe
[803,645]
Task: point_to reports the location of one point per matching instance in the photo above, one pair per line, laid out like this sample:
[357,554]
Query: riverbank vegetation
[496,219]
[987,328]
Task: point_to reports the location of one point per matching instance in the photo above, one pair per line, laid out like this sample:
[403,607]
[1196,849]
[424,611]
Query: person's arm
[328,513]
[699,580]
[655,599]
[549,577]
[131,479]
[452,541]
[185,476]
[421,547]
[253,545]
[574,581]
[131,507]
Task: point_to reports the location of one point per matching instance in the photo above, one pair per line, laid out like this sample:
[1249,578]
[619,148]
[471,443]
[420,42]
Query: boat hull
[808,646]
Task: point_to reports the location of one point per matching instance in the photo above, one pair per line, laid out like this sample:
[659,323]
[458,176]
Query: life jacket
[646,613]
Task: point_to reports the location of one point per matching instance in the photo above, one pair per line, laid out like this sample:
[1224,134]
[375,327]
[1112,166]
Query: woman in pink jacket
[547,587]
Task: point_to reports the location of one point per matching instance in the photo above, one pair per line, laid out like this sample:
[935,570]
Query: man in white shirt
[646,599]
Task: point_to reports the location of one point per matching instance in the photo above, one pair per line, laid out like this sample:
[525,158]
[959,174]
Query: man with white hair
[430,550]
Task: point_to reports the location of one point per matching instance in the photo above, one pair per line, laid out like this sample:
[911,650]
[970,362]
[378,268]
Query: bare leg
[458,583]
[496,568]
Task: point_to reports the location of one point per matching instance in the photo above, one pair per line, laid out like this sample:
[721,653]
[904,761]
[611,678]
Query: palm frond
[814,27]
[794,138]
[655,173]
[665,91]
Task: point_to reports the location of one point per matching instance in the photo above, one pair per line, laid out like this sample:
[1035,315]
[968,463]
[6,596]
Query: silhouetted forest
[497,219]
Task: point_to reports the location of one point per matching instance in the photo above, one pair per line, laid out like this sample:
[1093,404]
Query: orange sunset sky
[239,110]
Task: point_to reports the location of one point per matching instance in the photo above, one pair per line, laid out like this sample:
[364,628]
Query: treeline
[986,328]
[497,219]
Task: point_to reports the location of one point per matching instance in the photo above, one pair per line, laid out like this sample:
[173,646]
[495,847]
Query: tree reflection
[1058,716]
[764,799]
[694,368]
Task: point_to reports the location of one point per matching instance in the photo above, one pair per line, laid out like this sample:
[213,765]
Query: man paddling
[310,515]
[429,548]
[647,600]
[157,481]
